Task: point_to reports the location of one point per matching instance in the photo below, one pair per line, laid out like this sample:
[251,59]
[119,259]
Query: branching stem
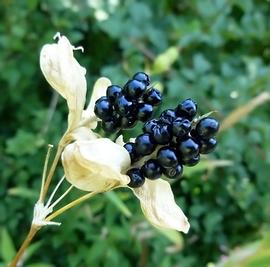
[60,198]
[59,151]
[71,205]
[54,191]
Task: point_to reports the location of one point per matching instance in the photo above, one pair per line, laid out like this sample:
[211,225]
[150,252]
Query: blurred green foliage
[215,51]
[256,254]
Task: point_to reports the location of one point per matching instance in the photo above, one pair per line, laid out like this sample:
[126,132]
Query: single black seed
[134,89]
[187,109]
[128,122]
[188,148]
[112,125]
[153,97]
[191,161]
[168,116]
[136,177]
[145,111]
[124,107]
[130,147]
[151,169]
[103,108]
[173,172]
[148,126]
[162,133]
[167,157]
[144,144]
[113,92]
[181,127]
[193,133]
[142,77]
[207,128]
[207,146]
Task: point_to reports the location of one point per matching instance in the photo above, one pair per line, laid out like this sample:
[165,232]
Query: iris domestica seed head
[166,143]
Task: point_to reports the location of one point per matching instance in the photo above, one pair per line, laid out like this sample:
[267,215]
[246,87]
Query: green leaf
[207,165]
[23,192]
[114,198]
[23,143]
[174,236]
[32,4]
[40,264]
[200,63]
[7,247]
[256,254]
[164,61]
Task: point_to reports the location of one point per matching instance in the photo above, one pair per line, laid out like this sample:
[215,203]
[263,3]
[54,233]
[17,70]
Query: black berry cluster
[121,108]
[177,138]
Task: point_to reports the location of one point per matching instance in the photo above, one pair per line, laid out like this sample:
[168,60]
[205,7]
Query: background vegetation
[215,51]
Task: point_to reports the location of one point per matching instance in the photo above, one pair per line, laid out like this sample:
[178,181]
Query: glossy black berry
[128,121]
[145,111]
[167,157]
[112,125]
[134,89]
[124,107]
[148,126]
[144,144]
[103,108]
[181,127]
[208,145]
[162,134]
[151,169]
[207,127]
[142,77]
[153,97]
[113,92]
[136,177]
[173,172]
[188,148]
[194,134]
[130,147]
[187,109]
[168,116]
[191,161]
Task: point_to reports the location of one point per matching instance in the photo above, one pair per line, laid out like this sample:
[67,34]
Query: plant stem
[242,111]
[32,232]
[45,171]
[59,151]
[60,198]
[54,191]
[34,228]
[71,205]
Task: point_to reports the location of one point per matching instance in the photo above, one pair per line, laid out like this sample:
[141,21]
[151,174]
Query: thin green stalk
[45,171]
[71,205]
[59,151]
[32,232]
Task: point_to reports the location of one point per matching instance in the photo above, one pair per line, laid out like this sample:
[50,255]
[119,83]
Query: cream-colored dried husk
[99,90]
[65,75]
[96,165]
[159,207]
